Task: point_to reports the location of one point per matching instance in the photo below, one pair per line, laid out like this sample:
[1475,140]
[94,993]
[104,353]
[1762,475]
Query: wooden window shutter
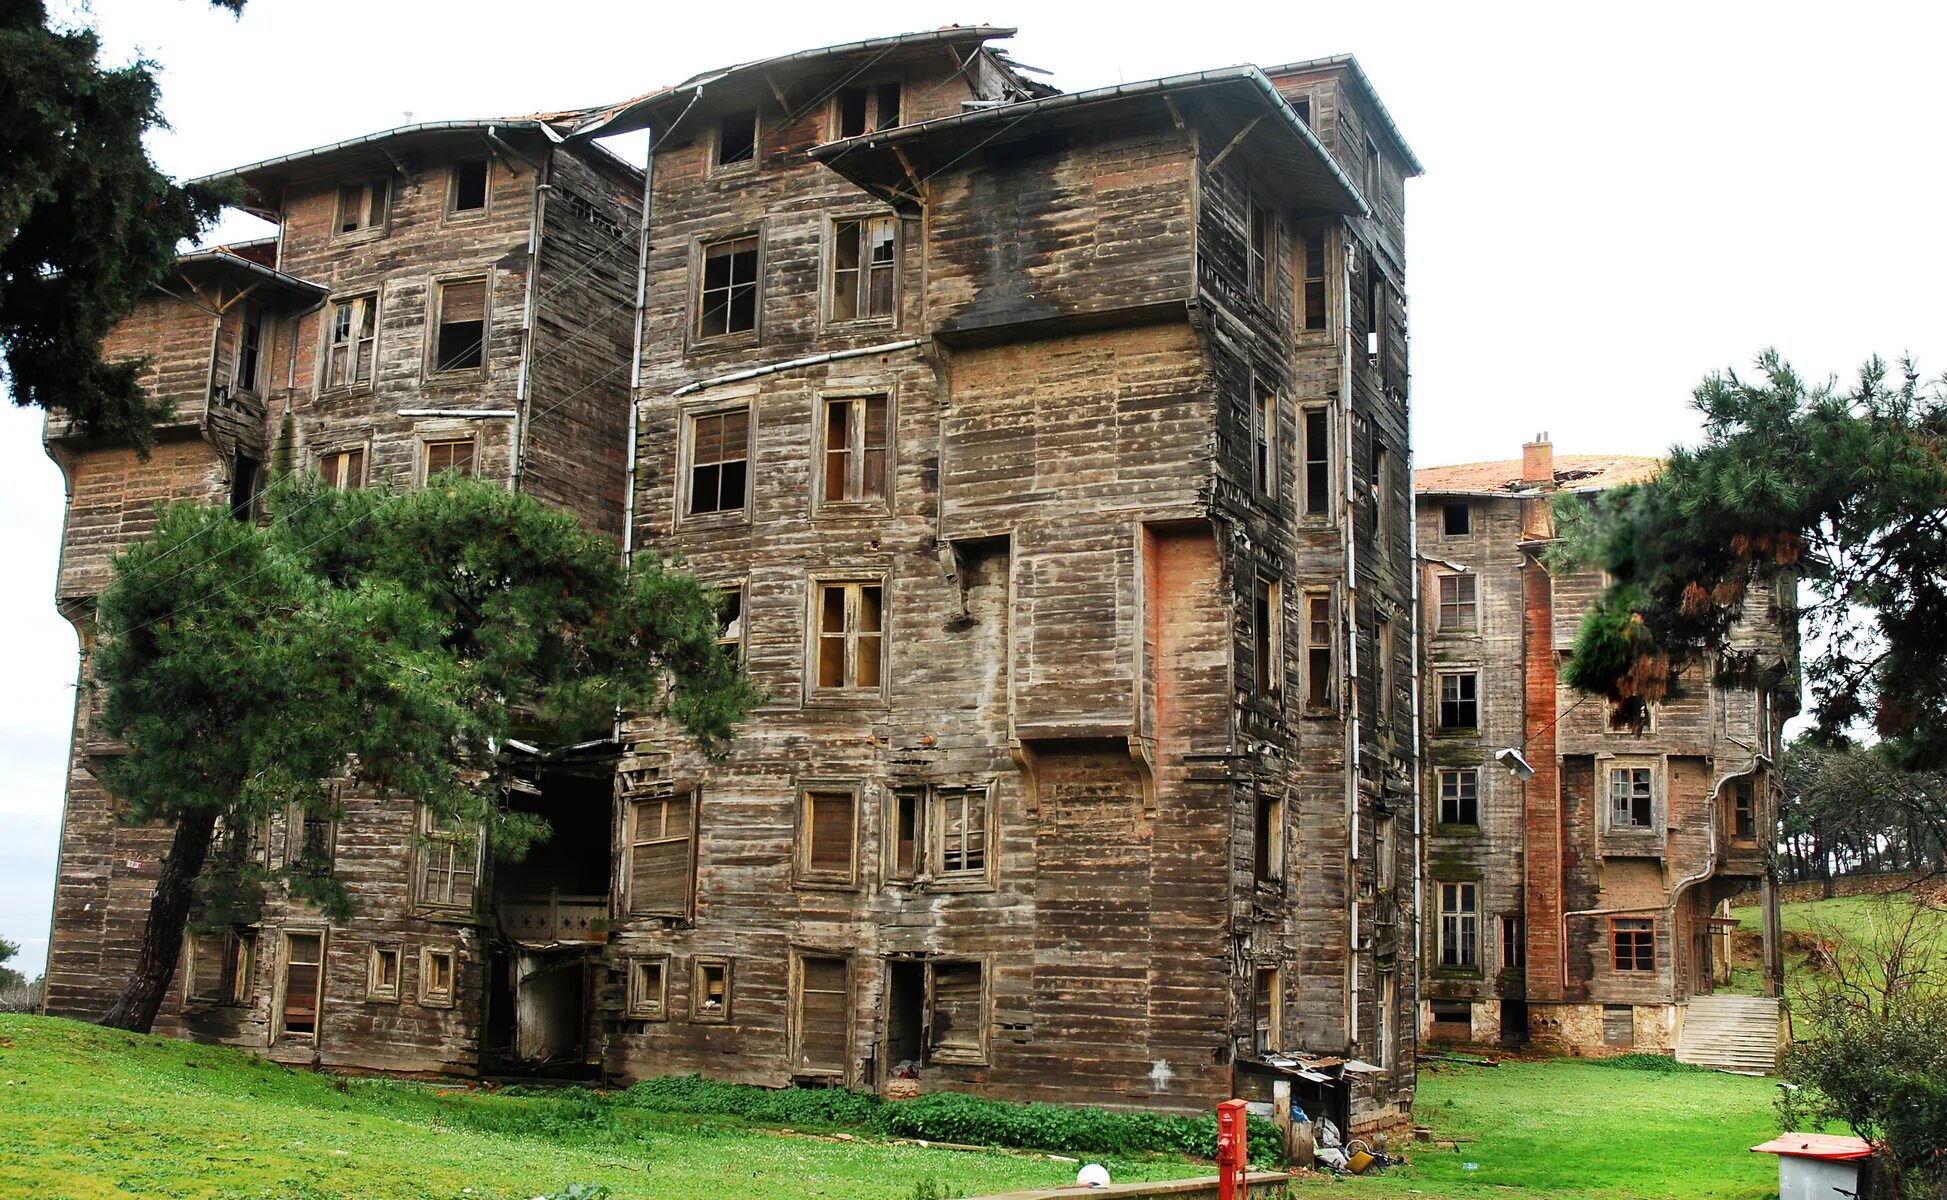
[659,855]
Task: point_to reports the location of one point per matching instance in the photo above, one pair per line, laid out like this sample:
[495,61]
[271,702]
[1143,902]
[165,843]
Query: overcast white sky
[1617,200]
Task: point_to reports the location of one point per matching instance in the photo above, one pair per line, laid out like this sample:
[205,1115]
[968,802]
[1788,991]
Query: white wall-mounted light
[1516,764]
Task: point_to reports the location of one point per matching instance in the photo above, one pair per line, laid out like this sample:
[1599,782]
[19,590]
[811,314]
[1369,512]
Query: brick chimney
[1538,460]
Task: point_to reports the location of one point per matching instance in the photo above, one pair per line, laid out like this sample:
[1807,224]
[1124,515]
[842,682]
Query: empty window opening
[867,109]
[245,475]
[1375,312]
[1264,438]
[854,439]
[461,341]
[908,817]
[1266,1014]
[1514,942]
[220,966]
[1459,602]
[1302,105]
[436,978]
[382,974]
[1460,931]
[1460,796]
[343,469]
[361,206]
[737,137]
[728,302]
[303,985]
[1266,652]
[1314,297]
[821,1016]
[309,841]
[1460,700]
[905,1018]
[1633,943]
[1372,174]
[1456,520]
[710,990]
[730,620]
[1318,650]
[828,837]
[1264,252]
[662,840]
[469,186]
[1318,463]
[1744,810]
[648,997]
[1382,499]
[851,636]
[1267,838]
[350,341]
[454,456]
[558,892]
[1632,797]
[719,461]
[864,257]
[250,352]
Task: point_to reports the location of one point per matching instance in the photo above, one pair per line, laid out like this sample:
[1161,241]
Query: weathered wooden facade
[1051,452]
[1574,908]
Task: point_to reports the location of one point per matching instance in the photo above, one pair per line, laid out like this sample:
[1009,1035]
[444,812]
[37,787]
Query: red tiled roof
[1573,472]
[1816,1145]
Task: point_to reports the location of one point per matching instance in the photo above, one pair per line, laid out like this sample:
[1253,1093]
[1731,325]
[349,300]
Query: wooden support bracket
[1235,142]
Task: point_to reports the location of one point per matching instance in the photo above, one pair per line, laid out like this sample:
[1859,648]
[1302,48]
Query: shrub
[1659,1064]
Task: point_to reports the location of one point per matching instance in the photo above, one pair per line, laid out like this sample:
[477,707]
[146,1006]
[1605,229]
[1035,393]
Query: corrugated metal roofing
[1573,472]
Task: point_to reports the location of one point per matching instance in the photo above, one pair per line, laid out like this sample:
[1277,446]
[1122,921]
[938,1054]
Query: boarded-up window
[455,456]
[1459,601]
[1460,928]
[1382,500]
[1386,1021]
[449,863]
[853,440]
[361,206]
[460,340]
[1265,1005]
[828,837]
[1264,438]
[727,302]
[1319,690]
[850,646]
[649,988]
[1267,654]
[437,980]
[303,985]
[821,1016]
[1452,1019]
[467,193]
[1632,798]
[343,469]
[1460,706]
[1460,796]
[661,836]
[1318,462]
[1619,1026]
[865,109]
[719,461]
[710,989]
[1632,941]
[351,340]
[382,973]
[220,966]
[737,137]
[1314,298]
[957,1024]
[864,257]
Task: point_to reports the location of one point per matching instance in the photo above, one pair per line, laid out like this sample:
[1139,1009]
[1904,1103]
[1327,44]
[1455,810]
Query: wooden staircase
[1732,1033]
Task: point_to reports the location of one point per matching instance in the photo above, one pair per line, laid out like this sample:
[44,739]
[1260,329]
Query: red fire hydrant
[1233,1154]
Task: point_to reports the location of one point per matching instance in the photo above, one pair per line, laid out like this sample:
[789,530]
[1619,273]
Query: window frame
[432,841]
[452,212]
[253,345]
[429,997]
[297,826]
[1267,837]
[280,1001]
[1460,800]
[360,303]
[1462,607]
[375,989]
[1514,941]
[362,450]
[1314,299]
[1261,237]
[1466,926]
[739,166]
[435,321]
[1266,403]
[1744,810]
[1442,725]
[1651,795]
[1267,1009]
[965,879]
[959,1053]
[733,635]
[1310,464]
[700,260]
[855,451]
[699,963]
[1315,702]
[828,274]
[687,465]
[639,1005]
[238,947]
[1386,646]
[665,795]
[370,229]
[794,1012]
[1267,636]
[1466,511]
[804,873]
[816,693]
[874,114]
[424,464]
[1641,932]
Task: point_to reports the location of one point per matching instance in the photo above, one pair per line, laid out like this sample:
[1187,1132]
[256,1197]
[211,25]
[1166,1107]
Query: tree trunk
[162,938]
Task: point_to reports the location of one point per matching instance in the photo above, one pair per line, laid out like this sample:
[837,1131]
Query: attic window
[1302,105]
[737,137]
[361,206]
[469,186]
[1456,520]
[863,110]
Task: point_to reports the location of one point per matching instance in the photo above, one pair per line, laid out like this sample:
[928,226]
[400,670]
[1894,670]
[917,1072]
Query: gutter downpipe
[1350,623]
[521,396]
[1413,707]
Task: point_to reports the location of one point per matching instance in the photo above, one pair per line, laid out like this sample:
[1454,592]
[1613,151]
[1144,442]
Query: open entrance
[1514,1021]
[905,1018]
[552,912]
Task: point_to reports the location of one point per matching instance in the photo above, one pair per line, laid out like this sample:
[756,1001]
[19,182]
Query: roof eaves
[1358,73]
[222,257]
[1022,110]
[370,139]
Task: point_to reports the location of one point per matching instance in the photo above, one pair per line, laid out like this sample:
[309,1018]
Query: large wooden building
[1584,907]
[1051,452]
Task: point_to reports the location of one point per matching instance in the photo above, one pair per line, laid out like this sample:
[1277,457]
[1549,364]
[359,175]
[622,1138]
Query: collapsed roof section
[1233,102]
[1572,473]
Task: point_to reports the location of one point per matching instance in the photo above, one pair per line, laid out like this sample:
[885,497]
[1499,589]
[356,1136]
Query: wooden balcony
[555,918]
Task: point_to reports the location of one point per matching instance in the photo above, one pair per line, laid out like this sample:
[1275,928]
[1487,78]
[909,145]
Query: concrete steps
[1732,1033]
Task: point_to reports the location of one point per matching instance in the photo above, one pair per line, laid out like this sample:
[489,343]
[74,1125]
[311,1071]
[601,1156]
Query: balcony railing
[555,918]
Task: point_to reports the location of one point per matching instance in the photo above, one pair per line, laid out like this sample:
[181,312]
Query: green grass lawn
[1849,921]
[87,1112]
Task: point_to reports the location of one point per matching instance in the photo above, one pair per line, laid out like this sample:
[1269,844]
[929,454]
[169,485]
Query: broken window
[1460,931]
[220,966]
[361,206]
[864,257]
[850,646]
[455,456]
[960,818]
[662,833]
[719,461]
[351,338]
[1744,810]
[1267,838]
[382,973]
[303,985]
[727,302]
[737,137]
[906,840]
[1375,312]
[309,841]
[1388,686]
[853,442]
[1302,105]
[1264,438]
[250,351]
[1456,520]
[1460,795]
[1632,798]
[449,862]
[1313,317]
[1459,601]
[1382,500]
[821,1015]
[1266,1002]
[460,341]
[437,982]
[1264,252]
[1267,653]
[827,841]
[946,832]
[710,989]
[1514,942]
[958,1030]
[730,620]
[1632,942]
[1460,706]
[861,110]
[648,997]
[1318,462]
[467,190]
[1372,174]
[343,469]
[1319,691]
[1385,851]
[245,474]
[1387,1018]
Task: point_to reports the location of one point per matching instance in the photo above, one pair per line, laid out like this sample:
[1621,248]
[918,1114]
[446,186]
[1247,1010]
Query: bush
[1659,1064]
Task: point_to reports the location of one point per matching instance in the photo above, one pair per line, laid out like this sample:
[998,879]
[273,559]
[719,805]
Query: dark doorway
[1514,1021]
[905,1018]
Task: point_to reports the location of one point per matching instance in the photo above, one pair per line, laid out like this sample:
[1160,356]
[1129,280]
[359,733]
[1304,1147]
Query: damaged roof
[1241,95]
[1573,472]
[1352,68]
